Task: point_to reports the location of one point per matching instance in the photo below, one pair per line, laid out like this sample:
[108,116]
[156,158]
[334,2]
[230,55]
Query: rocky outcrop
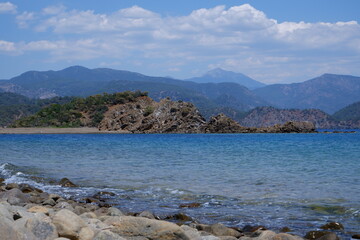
[145,115]
[222,124]
[148,116]
[270,116]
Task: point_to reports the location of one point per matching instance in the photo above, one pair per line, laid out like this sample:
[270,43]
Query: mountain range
[219,75]
[217,91]
[328,92]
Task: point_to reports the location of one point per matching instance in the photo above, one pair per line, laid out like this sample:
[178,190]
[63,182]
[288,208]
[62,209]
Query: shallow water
[297,180]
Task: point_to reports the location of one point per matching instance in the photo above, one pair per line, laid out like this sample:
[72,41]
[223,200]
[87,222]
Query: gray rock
[42,229]
[260,235]
[64,205]
[88,215]
[329,236]
[209,237]
[80,210]
[192,233]
[219,230]
[9,230]
[227,238]
[285,236]
[114,212]
[68,224]
[128,226]
[86,234]
[107,235]
[15,197]
[96,225]
[49,202]
[146,214]
[11,186]
[5,211]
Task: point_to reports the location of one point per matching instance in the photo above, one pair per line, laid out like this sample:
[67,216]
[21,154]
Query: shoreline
[49,130]
[28,211]
[94,130]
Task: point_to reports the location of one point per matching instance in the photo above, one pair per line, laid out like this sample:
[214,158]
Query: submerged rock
[65,182]
[332,226]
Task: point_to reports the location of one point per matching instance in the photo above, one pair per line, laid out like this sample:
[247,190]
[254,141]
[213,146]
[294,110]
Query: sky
[278,41]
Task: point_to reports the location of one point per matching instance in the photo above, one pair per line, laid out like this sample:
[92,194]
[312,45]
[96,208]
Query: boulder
[332,226]
[190,205]
[9,230]
[219,229]
[312,235]
[285,236]
[86,234]
[107,235]
[356,236]
[222,124]
[11,186]
[42,229]
[179,217]
[68,224]
[146,214]
[297,127]
[39,209]
[329,236]
[128,226]
[65,182]
[15,197]
[96,225]
[192,233]
[5,209]
[114,212]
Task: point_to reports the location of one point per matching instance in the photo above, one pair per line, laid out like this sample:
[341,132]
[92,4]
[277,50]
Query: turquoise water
[297,180]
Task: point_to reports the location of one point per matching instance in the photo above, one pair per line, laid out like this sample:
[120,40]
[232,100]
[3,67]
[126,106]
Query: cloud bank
[239,38]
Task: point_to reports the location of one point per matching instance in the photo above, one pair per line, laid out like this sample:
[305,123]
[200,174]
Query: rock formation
[148,116]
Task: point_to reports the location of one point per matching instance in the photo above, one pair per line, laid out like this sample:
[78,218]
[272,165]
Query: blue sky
[278,41]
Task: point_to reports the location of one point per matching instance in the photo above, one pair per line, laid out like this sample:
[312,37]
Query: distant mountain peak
[75,68]
[219,75]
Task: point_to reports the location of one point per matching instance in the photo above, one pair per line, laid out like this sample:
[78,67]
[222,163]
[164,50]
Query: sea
[299,181]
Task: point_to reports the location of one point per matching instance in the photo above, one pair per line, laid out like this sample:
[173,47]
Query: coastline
[93,130]
[30,213]
[49,130]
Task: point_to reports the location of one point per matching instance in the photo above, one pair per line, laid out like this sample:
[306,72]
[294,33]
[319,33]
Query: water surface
[297,180]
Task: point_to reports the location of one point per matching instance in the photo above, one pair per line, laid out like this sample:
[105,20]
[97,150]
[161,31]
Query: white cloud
[6,46]
[54,10]
[239,38]
[7,7]
[25,19]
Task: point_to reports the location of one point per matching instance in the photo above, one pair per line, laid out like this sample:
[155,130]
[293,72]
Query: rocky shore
[28,213]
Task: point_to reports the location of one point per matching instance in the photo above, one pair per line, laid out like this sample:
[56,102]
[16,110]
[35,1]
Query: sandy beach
[83,130]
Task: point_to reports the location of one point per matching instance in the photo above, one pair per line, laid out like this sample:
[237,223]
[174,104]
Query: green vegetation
[349,113]
[14,106]
[148,110]
[79,112]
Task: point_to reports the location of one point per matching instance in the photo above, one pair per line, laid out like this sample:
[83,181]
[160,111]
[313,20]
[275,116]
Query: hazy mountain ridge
[349,113]
[219,75]
[81,81]
[268,116]
[328,92]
